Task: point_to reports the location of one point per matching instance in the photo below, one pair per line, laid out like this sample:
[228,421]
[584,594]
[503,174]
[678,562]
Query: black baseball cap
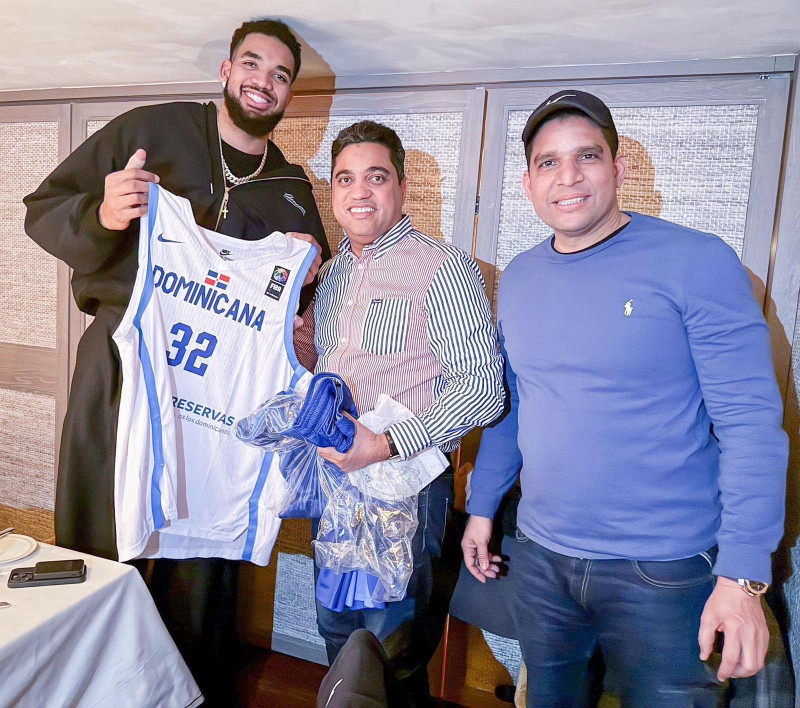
[586,103]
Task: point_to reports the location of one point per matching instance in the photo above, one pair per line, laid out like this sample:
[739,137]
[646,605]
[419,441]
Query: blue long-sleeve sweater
[619,360]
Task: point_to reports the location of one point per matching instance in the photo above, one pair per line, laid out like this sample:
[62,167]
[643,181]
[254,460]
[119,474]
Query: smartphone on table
[60,572]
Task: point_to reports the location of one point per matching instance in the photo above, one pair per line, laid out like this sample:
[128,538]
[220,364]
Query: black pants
[197,600]
[410,630]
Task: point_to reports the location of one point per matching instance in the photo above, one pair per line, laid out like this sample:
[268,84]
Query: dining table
[100,642]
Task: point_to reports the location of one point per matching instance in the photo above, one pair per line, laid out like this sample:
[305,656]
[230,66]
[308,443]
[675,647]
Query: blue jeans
[410,629]
[644,615]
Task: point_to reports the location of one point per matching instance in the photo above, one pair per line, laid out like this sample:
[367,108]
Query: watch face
[754,587]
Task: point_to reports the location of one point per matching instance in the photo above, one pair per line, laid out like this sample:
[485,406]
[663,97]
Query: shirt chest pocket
[386,326]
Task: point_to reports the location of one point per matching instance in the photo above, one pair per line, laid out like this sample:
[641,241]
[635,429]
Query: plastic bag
[307,479]
[393,480]
[358,531]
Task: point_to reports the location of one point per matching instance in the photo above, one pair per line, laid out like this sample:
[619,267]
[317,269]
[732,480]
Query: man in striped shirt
[400,313]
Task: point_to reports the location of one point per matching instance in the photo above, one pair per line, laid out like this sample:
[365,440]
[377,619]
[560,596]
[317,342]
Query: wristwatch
[394,453]
[754,588]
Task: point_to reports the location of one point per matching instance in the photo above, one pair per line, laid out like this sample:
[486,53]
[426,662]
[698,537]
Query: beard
[257,126]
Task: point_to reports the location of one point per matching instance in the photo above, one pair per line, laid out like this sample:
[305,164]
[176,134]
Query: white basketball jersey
[206,338]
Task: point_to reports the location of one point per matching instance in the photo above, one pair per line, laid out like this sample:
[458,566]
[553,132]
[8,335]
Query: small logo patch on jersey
[280,275]
[218,280]
[225,254]
[167,240]
[277,282]
[628,310]
[290,198]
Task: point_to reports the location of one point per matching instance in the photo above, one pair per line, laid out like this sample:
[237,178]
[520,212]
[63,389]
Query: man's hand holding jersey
[125,194]
[314,269]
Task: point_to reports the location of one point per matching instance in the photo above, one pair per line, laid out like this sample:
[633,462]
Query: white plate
[14,546]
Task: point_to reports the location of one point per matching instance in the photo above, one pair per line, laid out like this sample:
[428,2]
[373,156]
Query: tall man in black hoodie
[86,213]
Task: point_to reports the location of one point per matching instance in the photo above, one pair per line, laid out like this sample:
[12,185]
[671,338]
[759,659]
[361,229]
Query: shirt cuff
[739,561]
[410,437]
[483,504]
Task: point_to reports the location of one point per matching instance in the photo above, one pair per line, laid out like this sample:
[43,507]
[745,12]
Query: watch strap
[394,453]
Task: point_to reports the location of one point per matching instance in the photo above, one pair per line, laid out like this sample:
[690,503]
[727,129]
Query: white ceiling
[71,43]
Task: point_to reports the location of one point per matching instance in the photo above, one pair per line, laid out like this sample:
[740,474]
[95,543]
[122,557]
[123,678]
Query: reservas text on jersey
[208,298]
[203,411]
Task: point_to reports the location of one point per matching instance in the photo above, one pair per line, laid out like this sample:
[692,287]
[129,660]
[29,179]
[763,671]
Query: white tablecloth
[100,642]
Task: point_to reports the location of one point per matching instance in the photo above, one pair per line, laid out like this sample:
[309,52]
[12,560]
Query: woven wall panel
[506,651]
[28,153]
[92,126]
[482,669]
[295,613]
[687,164]
[432,142]
[27,441]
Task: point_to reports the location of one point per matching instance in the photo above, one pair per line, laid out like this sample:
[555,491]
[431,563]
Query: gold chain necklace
[236,181]
[233,179]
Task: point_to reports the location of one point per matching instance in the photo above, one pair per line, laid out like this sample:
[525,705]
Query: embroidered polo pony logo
[628,309]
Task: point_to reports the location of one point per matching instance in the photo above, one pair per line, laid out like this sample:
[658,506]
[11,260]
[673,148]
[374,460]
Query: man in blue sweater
[645,421]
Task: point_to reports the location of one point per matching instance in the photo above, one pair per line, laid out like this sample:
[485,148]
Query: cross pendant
[224,210]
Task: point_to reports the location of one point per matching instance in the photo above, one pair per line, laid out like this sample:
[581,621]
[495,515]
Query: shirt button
[343,340]
[361,266]
[350,303]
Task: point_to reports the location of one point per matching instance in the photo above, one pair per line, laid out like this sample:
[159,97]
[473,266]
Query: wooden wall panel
[33,324]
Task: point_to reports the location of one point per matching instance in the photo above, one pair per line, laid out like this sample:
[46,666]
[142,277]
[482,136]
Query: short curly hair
[271,28]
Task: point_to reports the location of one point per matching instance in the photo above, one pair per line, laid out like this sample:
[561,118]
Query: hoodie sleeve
[62,214]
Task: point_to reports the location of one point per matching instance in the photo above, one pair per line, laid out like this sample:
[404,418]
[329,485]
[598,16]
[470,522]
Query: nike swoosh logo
[555,100]
[167,240]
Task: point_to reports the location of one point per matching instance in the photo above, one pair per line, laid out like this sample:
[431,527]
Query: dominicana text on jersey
[206,338]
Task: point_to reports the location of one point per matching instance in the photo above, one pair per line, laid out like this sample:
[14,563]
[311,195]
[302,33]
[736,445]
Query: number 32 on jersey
[202,347]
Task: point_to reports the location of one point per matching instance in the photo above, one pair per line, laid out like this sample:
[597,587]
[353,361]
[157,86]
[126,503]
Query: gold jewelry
[754,588]
[236,181]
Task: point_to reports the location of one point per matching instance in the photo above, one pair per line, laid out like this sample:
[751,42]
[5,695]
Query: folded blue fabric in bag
[266,427]
[347,591]
[308,498]
[321,420]
[323,423]
[317,421]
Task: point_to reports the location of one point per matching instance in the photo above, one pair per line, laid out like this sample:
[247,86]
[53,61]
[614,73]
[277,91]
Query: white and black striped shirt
[410,319]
